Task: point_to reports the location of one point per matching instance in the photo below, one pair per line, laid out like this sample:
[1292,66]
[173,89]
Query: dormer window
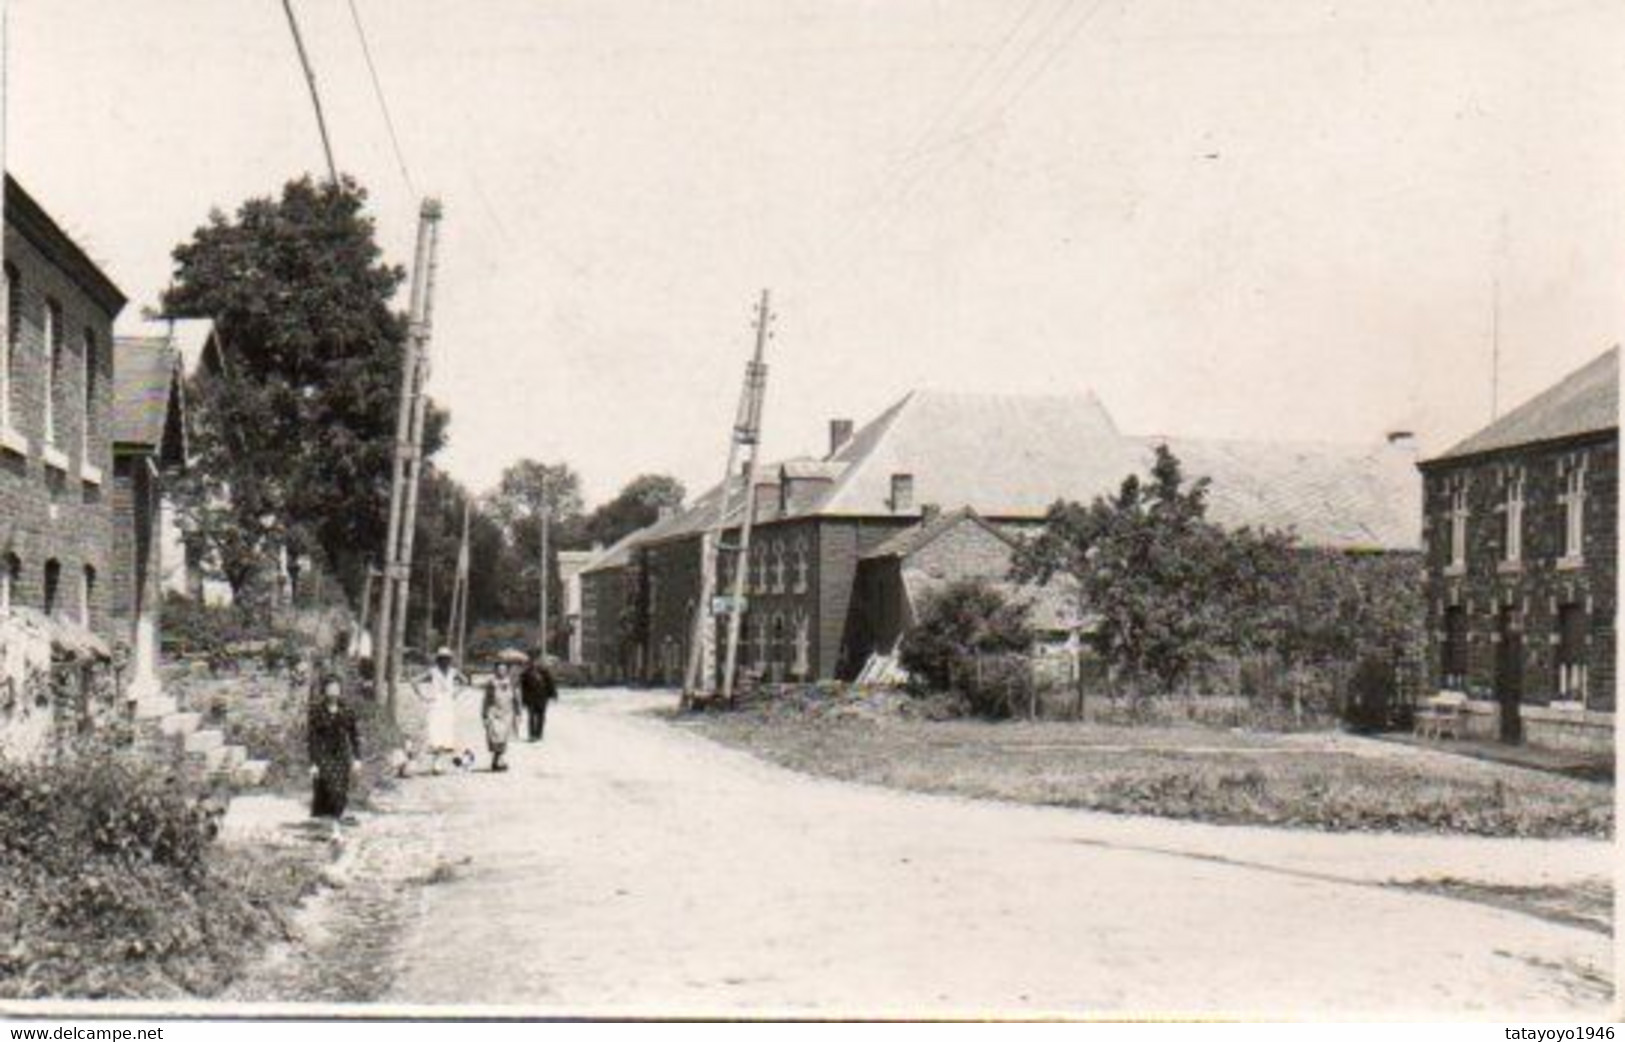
[902,493]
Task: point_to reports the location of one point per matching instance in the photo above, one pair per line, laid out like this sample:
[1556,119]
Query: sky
[1280,219]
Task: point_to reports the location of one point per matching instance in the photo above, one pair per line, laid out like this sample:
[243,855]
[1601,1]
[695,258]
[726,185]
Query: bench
[1441,715]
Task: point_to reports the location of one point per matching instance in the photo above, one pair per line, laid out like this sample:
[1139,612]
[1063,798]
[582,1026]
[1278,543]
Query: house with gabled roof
[149,444]
[1521,524]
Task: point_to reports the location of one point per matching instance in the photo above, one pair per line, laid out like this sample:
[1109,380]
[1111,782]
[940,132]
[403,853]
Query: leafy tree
[231,520]
[636,506]
[528,492]
[302,302]
[1164,588]
[965,618]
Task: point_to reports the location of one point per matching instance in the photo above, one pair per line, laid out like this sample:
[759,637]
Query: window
[801,566]
[778,568]
[53,580]
[53,366]
[1573,498]
[801,667]
[87,428]
[1512,545]
[1571,656]
[1453,651]
[87,595]
[1458,526]
[11,571]
[8,344]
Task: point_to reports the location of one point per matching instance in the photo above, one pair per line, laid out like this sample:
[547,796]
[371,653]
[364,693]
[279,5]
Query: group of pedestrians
[519,688]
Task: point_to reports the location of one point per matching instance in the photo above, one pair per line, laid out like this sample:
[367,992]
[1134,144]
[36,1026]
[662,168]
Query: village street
[626,865]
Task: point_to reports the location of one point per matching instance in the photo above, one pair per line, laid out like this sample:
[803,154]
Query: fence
[1260,692]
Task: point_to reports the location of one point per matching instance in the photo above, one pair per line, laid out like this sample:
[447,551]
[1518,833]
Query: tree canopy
[297,433]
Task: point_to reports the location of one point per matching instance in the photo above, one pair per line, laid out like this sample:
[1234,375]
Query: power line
[989,59]
[942,155]
[315,98]
[383,103]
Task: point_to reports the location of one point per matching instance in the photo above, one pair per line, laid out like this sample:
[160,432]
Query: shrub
[109,885]
[966,618]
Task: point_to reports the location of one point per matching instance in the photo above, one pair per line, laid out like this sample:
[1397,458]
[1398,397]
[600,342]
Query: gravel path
[627,866]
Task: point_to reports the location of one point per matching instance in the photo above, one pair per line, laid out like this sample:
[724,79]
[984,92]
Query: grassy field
[1320,781]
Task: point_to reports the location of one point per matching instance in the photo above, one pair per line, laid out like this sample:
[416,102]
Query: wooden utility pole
[743,439]
[403,489]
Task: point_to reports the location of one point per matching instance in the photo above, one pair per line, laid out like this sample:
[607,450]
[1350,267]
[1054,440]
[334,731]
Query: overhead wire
[383,101]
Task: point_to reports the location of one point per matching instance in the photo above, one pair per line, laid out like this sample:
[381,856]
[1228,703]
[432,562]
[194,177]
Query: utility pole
[315,97]
[744,437]
[403,489]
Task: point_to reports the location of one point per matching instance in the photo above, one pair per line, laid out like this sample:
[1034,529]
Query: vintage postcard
[780,509]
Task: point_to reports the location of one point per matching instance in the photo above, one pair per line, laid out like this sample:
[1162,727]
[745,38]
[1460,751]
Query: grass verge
[1326,782]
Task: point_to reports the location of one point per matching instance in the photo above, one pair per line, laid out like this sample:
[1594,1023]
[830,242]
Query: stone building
[56,423]
[1520,522]
[609,603]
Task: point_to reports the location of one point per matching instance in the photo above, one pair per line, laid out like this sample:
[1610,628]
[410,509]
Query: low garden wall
[1570,729]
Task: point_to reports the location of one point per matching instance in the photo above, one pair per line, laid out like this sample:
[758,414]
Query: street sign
[725,605]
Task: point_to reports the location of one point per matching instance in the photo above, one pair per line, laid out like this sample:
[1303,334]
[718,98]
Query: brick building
[1520,522]
[56,423]
[1006,458]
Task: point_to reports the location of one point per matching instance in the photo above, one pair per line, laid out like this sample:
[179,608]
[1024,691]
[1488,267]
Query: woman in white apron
[439,688]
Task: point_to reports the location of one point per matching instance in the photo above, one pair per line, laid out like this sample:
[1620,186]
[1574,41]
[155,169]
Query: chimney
[930,512]
[840,432]
[766,500]
[666,512]
[902,493]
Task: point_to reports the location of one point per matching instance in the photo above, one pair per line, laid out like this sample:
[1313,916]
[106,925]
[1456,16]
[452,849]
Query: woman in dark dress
[335,749]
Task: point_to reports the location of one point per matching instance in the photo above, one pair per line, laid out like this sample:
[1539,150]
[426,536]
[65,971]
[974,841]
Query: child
[499,711]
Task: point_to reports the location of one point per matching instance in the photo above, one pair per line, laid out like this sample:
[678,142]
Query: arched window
[87,595]
[53,584]
[87,431]
[11,570]
[9,346]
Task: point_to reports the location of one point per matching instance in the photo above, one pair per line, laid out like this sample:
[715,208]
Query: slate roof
[1584,402]
[147,404]
[1343,497]
[1004,455]
[618,554]
[701,514]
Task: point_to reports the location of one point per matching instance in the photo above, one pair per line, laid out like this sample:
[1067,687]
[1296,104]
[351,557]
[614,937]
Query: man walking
[536,688]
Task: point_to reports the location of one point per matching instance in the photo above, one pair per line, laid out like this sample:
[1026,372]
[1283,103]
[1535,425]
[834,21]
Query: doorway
[1509,675]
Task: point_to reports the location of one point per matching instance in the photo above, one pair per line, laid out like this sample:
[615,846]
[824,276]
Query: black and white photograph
[810,510]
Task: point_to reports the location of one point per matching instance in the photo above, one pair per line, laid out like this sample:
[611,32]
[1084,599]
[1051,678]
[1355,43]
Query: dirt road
[626,866]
